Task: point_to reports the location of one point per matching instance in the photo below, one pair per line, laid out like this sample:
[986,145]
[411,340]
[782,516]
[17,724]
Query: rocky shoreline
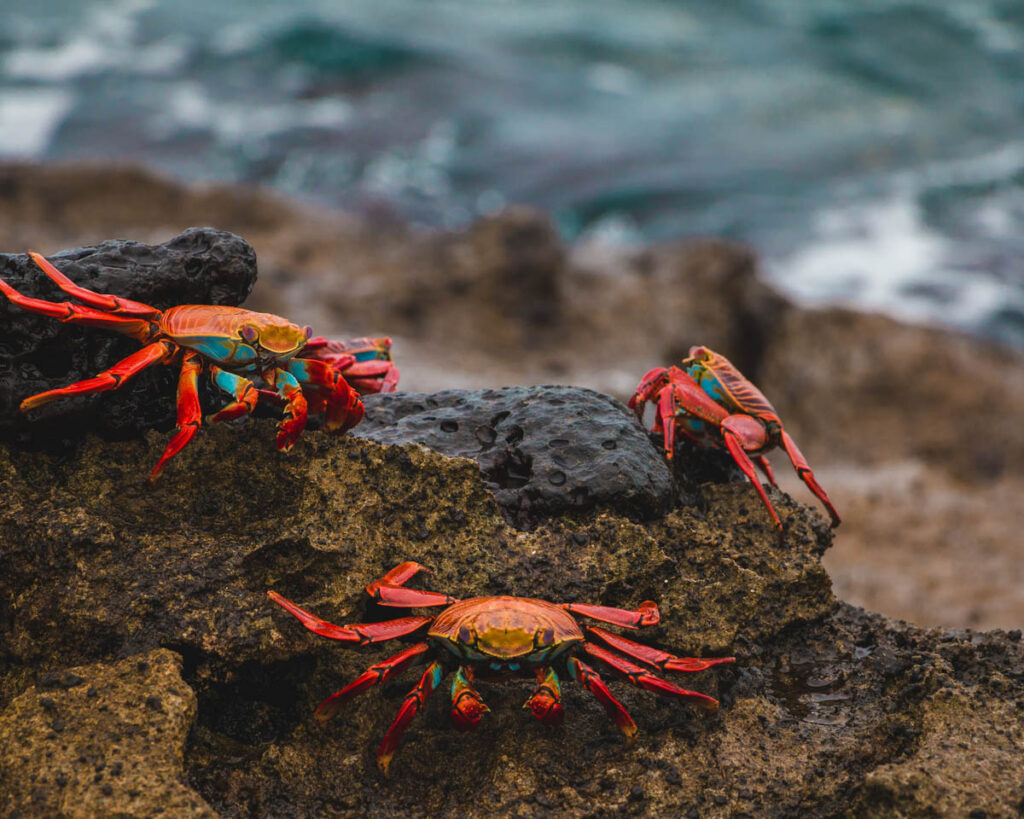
[143,670]
[912,429]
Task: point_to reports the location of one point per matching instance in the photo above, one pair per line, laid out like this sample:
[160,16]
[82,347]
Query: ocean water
[872,151]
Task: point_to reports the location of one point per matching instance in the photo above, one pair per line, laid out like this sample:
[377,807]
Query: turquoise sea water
[872,151]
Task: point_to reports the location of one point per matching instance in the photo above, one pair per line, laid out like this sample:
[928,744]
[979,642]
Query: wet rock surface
[826,708]
[38,353]
[541,450]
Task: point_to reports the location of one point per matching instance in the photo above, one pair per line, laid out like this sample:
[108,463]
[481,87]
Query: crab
[492,638]
[365,363]
[709,402]
[234,346]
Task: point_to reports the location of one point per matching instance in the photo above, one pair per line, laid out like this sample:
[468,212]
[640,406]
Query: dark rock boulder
[200,266]
[542,450]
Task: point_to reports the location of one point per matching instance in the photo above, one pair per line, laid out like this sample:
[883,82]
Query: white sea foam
[880,255]
[29,117]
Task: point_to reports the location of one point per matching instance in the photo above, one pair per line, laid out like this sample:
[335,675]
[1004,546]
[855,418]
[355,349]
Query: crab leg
[190,414]
[646,614]
[803,469]
[655,658]
[159,352]
[390,591]
[295,413]
[356,633]
[592,681]
[138,328]
[375,675]
[766,467]
[413,702]
[642,678]
[344,409]
[545,702]
[243,390]
[99,300]
[735,445]
[467,707]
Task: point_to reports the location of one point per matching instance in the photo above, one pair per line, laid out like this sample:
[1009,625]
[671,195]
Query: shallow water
[875,157]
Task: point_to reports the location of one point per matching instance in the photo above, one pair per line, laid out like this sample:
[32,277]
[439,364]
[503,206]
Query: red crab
[709,402]
[234,346]
[501,637]
[366,363]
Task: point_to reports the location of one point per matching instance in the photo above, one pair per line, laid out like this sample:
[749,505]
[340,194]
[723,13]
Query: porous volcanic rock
[826,707]
[101,740]
[541,449]
[37,353]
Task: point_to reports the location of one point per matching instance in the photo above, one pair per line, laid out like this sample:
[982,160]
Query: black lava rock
[37,353]
[540,449]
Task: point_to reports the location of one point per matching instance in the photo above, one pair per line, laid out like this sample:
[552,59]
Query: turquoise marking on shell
[709,383]
[371,355]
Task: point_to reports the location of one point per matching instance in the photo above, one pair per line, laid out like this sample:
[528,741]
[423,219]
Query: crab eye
[308,331]
[547,637]
[249,333]
[465,635]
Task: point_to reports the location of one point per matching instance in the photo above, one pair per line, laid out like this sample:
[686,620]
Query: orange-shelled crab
[239,349]
[710,403]
[501,637]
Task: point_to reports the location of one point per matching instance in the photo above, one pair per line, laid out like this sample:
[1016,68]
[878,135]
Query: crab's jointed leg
[646,614]
[413,702]
[592,681]
[739,434]
[467,707]
[355,633]
[546,700]
[343,408]
[190,414]
[102,301]
[376,674]
[803,469]
[642,678]
[295,412]
[654,657]
[766,467]
[159,352]
[242,389]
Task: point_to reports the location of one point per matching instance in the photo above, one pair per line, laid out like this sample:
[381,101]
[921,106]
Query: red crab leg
[139,329]
[766,467]
[295,413]
[356,633]
[389,591]
[642,678]
[375,675]
[102,301]
[467,707]
[344,409]
[546,700]
[735,444]
[388,595]
[803,469]
[410,707]
[159,352]
[372,376]
[190,414]
[243,390]
[655,658]
[592,681]
[398,576]
[646,614]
